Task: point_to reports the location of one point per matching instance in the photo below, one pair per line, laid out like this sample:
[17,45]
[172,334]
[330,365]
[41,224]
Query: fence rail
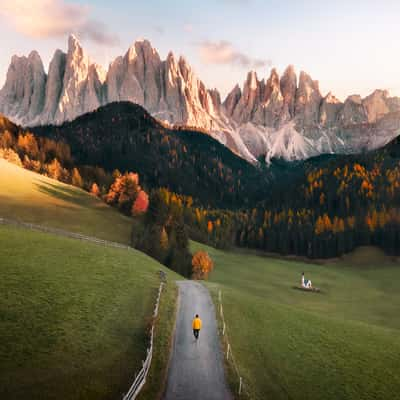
[140,378]
[61,232]
[241,386]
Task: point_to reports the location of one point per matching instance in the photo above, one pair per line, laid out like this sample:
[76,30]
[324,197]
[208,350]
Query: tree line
[53,159]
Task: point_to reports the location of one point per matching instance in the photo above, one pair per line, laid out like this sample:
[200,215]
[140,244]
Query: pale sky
[350,46]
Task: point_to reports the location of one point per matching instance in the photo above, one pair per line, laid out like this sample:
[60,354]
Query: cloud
[53,18]
[223,52]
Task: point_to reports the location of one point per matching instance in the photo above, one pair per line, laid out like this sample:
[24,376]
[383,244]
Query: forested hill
[124,136]
[321,207]
[332,205]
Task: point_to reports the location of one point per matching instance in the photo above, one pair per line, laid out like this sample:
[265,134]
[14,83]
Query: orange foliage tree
[202,265]
[94,190]
[141,203]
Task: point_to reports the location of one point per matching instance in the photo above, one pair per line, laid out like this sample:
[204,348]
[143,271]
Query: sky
[350,47]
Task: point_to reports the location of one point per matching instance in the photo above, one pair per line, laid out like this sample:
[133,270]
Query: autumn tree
[56,171]
[76,179]
[124,191]
[202,265]
[28,145]
[141,203]
[94,190]
[6,140]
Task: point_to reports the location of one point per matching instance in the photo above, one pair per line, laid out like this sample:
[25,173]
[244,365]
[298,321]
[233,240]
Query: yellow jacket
[196,324]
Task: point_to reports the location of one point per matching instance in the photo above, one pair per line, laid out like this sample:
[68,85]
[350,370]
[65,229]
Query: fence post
[227,352]
[223,329]
[240,385]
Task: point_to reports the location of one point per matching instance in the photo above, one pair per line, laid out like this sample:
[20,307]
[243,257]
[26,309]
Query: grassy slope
[73,316]
[341,344]
[156,380]
[30,197]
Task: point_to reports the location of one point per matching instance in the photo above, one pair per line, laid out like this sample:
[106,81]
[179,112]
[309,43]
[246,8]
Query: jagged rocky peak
[280,116]
[288,89]
[23,93]
[74,47]
[171,64]
[54,85]
[216,99]
[184,68]
[269,110]
[376,105]
[272,87]
[252,82]
[308,99]
[352,112]
[81,88]
[273,79]
[249,100]
[143,48]
[330,106]
[144,59]
[232,100]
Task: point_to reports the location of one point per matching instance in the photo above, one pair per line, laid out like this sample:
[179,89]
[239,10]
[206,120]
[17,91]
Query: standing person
[196,325]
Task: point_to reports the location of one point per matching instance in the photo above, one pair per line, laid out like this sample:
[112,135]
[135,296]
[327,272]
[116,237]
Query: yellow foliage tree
[76,178]
[202,265]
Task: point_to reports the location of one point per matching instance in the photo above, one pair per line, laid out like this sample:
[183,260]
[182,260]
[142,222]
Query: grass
[30,197]
[73,316]
[341,344]
[157,377]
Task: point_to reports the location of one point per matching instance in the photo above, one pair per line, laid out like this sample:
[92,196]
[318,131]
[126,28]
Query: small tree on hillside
[141,203]
[76,178]
[202,265]
[6,140]
[55,170]
[94,190]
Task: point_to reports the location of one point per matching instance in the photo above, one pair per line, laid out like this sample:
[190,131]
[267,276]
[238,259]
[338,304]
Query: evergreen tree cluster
[162,234]
[124,136]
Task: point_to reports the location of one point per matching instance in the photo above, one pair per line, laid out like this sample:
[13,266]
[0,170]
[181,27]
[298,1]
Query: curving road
[196,370]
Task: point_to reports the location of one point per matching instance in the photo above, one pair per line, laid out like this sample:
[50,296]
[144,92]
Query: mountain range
[280,117]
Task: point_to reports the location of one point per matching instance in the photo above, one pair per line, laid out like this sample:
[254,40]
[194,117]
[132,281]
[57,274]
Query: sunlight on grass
[34,198]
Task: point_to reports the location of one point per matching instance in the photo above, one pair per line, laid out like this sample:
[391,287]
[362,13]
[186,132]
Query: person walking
[196,325]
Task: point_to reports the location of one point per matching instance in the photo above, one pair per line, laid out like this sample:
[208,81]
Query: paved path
[196,369]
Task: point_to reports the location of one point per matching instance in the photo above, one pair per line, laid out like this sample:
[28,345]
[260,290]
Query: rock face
[283,118]
[54,85]
[278,117]
[23,94]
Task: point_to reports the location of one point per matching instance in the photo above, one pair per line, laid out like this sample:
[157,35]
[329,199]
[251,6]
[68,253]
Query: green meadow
[30,197]
[342,343]
[74,316]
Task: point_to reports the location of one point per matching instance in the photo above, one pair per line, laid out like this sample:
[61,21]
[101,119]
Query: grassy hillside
[31,197]
[341,344]
[73,316]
